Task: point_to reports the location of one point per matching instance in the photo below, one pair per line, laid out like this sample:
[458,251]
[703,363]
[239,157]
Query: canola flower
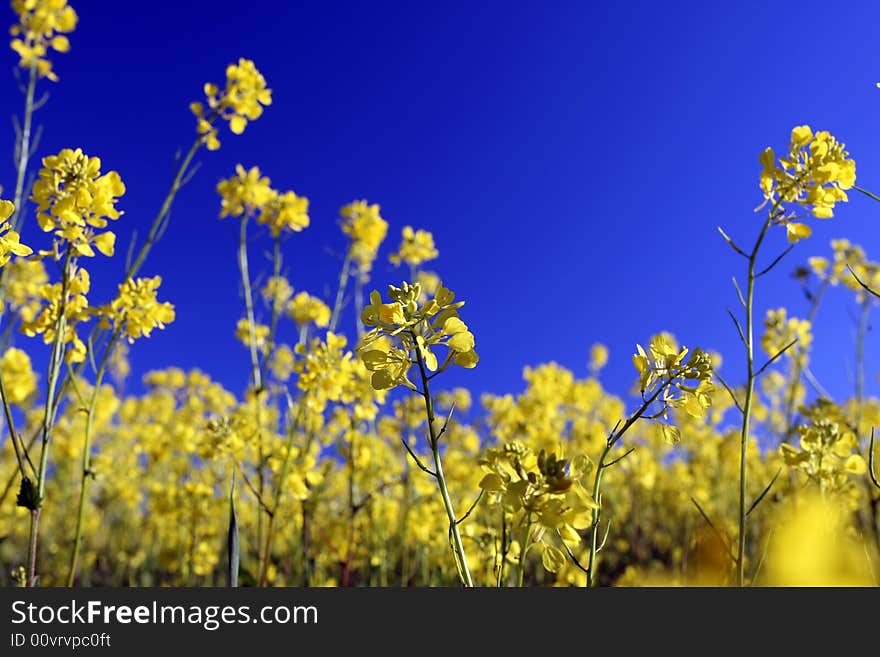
[10,240]
[75,201]
[556,484]
[42,26]
[240,101]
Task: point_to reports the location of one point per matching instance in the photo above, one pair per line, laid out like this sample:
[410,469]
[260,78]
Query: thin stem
[340,292]
[256,375]
[279,488]
[523,548]
[86,458]
[57,354]
[274,315]
[616,434]
[23,148]
[455,534]
[160,221]
[747,403]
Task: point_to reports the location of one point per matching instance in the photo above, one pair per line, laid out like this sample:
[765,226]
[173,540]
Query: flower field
[344,458]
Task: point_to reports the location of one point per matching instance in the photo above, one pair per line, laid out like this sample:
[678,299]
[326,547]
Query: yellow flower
[242,100]
[285,211]
[816,172]
[244,193]
[41,26]
[276,293]
[782,330]
[598,358]
[406,325]
[367,230]
[305,309]
[75,200]
[416,247]
[23,280]
[76,310]
[10,243]
[136,311]
[261,332]
[19,379]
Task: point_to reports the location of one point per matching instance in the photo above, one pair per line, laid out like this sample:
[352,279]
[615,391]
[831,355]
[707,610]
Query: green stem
[159,222]
[56,356]
[457,545]
[279,488]
[747,404]
[340,292]
[523,549]
[23,150]
[86,458]
[613,439]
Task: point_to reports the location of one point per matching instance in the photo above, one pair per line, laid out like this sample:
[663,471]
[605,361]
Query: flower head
[136,311]
[240,101]
[406,327]
[75,200]
[367,230]
[416,247]
[41,25]
[815,173]
[10,241]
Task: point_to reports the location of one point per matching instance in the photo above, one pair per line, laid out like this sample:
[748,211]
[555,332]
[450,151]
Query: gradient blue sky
[572,159]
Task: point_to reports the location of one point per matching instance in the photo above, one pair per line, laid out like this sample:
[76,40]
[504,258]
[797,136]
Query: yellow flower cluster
[405,327]
[285,211]
[248,192]
[244,193]
[666,371]
[10,241]
[135,312]
[73,304]
[544,489]
[816,172]
[75,200]
[41,25]
[325,370]
[242,100]
[416,248]
[784,332]
[305,309]
[367,230]
[828,449]
[20,382]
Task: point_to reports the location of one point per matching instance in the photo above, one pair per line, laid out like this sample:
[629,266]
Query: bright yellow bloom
[41,26]
[23,280]
[76,310]
[406,326]
[828,453]
[75,200]
[285,211]
[598,358]
[242,100]
[19,379]
[305,309]
[276,293]
[367,230]
[282,362]
[136,311]
[416,248]
[780,331]
[261,332]
[815,173]
[244,193]
[10,241]
[325,371]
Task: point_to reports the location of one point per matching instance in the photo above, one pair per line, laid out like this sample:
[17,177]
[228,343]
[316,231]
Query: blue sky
[573,159]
